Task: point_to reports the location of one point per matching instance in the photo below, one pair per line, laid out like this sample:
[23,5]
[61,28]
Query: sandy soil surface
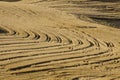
[59,39]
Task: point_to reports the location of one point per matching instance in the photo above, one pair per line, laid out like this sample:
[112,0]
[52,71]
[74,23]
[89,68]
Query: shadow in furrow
[3,31]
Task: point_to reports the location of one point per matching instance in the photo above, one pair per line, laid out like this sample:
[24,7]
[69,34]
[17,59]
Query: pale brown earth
[59,40]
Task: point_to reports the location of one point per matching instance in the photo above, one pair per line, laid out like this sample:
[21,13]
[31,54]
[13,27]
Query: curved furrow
[26,48]
[39,47]
[75,46]
[61,49]
[30,55]
[21,35]
[34,38]
[56,52]
[63,59]
[79,57]
[51,67]
[45,40]
[78,49]
[51,56]
[48,68]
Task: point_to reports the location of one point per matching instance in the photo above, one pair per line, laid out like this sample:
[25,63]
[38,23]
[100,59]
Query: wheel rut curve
[55,49]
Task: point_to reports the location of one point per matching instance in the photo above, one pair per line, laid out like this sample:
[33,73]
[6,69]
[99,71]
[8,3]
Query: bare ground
[59,40]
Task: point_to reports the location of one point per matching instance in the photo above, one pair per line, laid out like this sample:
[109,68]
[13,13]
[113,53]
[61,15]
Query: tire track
[37,50]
